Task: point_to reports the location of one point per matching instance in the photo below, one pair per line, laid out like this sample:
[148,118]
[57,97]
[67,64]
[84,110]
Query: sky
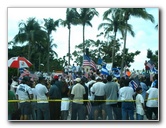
[146,36]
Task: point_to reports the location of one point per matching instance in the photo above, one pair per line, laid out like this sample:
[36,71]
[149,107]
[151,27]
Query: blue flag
[104,70]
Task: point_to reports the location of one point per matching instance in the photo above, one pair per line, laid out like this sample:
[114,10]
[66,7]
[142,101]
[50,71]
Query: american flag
[23,72]
[89,62]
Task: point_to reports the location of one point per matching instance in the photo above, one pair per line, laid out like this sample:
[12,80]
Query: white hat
[98,78]
[78,80]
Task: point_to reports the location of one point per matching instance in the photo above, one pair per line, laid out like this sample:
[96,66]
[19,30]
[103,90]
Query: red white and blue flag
[87,61]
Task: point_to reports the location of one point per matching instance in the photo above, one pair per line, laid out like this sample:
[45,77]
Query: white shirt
[139,101]
[98,89]
[78,91]
[40,91]
[22,92]
[126,93]
[152,100]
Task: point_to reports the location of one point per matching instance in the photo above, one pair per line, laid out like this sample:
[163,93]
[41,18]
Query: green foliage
[153,56]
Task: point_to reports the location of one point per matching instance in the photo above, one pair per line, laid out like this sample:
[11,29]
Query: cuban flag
[133,84]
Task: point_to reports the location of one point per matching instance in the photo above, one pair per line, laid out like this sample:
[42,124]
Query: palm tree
[85,16]
[70,17]
[29,32]
[125,14]
[112,26]
[50,25]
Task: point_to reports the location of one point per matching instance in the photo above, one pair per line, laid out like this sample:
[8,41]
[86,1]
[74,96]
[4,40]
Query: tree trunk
[124,47]
[69,47]
[48,58]
[113,49]
[83,45]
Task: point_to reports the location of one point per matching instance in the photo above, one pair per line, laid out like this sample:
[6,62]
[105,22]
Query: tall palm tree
[85,16]
[50,25]
[125,14]
[30,32]
[70,17]
[113,25]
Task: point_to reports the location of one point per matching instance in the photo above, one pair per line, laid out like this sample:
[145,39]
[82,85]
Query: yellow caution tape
[78,100]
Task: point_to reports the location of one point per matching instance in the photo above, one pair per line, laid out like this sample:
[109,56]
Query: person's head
[138,90]
[126,82]
[92,77]
[26,80]
[83,80]
[77,80]
[155,84]
[56,77]
[109,78]
[155,77]
[15,78]
[42,80]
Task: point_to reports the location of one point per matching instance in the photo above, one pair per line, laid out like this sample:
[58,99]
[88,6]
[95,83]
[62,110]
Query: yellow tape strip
[79,100]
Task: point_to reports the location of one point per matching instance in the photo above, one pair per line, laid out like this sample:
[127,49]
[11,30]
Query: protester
[147,69]
[65,101]
[85,97]
[99,99]
[77,94]
[24,94]
[140,107]
[91,97]
[126,94]
[12,106]
[152,102]
[54,97]
[59,84]
[111,92]
[14,84]
[43,111]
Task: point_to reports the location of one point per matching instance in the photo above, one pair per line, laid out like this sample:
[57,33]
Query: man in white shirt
[98,89]
[24,94]
[77,94]
[126,95]
[152,101]
[41,91]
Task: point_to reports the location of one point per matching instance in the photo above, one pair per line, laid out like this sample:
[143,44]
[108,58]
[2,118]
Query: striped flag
[23,72]
[133,84]
[104,70]
[89,62]
[150,65]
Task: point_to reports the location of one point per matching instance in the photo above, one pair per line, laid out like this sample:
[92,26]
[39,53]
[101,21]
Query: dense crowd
[76,95]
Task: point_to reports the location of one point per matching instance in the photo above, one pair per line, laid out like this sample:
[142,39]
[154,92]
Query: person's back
[152,102]
[111,93]
[126,95]
[12,106]
[98,89]
[24,94]
[144,89]
[41,91]
[77,94]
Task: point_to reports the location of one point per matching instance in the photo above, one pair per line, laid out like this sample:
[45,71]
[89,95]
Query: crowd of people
[84,96]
